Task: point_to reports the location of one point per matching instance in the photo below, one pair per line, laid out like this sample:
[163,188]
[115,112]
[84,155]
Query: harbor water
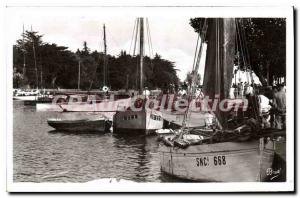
[41,154]
[44,155]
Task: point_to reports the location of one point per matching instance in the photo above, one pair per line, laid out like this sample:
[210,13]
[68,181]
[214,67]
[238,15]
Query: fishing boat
[85,103]
[219,162]
[226,152]
[25,98]
[197,119]
[34,99]
[91,123]
[143,119]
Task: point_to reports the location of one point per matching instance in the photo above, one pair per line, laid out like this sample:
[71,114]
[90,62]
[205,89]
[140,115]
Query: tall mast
[34,57]
[104,64]
[141,54]
[221,36]
[24,56]
[78,85]
[41,78]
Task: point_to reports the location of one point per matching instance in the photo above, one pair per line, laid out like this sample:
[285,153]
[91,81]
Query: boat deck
[196,119]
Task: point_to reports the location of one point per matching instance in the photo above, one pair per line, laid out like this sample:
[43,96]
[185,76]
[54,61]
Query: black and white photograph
[150,99]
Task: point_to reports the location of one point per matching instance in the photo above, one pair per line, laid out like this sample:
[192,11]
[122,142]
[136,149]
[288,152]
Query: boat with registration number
[229,151]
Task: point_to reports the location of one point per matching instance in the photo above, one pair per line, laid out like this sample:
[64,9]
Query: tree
[266,39]
[189,77]
[28,49]
[266,44]
[17,78]
[85,50]
[59,67]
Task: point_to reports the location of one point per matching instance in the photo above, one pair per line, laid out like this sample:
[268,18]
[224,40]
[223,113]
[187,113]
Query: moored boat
[236,147]
[144,121]
[141,119]
[83,124]
[87,103]
[219,162]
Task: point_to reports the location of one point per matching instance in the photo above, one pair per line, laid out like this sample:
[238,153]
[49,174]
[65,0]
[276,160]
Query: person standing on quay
[280,107]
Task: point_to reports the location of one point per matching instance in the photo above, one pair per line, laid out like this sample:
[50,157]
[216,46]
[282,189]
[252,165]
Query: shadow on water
[80,133]
[42,154]
[145,155]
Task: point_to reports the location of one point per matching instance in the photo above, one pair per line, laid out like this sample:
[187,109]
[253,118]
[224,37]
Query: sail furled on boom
[219,63]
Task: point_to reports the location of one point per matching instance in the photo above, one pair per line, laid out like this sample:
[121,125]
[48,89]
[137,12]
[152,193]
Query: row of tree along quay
[57,67]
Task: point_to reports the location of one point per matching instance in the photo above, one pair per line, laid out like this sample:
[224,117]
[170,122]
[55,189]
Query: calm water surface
[44,155]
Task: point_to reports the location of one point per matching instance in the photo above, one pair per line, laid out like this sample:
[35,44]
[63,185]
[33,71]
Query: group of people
[272,102]
[239,90]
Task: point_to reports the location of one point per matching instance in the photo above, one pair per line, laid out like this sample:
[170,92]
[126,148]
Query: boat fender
[167,142]
[61,100]
[105,88]
[151,105]
[181,143]
[138,103]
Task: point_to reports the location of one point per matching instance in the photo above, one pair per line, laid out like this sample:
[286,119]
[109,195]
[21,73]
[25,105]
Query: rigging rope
[243,46]
[134,27]
[195,55]
[202,34]
[149,38]
[136,35]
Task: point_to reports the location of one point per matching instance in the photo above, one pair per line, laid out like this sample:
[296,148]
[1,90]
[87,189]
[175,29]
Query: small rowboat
[79,125]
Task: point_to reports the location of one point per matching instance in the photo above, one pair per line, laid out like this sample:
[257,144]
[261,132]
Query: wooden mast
[141,54]
[78,85]
[105,62]
[35,65]
[24,56]
[219,63]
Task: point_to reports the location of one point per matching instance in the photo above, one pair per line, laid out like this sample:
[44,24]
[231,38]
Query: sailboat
[242,153]
[144,120]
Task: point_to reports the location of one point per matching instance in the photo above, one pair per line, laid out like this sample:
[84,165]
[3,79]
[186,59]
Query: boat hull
[219,162]
[79,125]
[106,106]
[144,121]
[25,98]
[48,107]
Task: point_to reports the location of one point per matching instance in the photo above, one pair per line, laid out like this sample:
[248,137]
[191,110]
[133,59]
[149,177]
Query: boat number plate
[219,160]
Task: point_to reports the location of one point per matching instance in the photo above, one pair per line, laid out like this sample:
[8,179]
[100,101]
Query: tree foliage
[266,44]
[58,67]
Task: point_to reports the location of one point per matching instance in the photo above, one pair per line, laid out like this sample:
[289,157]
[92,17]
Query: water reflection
[42,154]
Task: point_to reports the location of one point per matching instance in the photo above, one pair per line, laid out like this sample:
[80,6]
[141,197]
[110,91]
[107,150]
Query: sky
[172,37]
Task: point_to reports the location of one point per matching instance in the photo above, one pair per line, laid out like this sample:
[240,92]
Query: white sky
[172,37]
